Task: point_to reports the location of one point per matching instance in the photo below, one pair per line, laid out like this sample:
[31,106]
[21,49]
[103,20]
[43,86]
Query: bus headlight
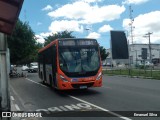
[63,78]
[99,76]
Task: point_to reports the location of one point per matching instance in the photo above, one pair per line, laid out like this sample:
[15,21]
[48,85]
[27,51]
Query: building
[135,53]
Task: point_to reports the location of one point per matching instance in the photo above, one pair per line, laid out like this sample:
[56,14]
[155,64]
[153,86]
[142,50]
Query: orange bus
[70,63]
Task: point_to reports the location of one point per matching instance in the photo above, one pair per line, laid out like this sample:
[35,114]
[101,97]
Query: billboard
[119,46]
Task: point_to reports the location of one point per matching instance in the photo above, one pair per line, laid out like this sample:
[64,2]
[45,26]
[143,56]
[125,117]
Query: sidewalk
[13,108]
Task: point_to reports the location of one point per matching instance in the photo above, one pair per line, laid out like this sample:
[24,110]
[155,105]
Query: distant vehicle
[104,64]
[71,64]
[109,64]
[146,63]
[25,68]
[121,65]
[13,71]
[156,61]
[33,67]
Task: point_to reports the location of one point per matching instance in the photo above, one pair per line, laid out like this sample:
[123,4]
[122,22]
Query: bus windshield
[79,61]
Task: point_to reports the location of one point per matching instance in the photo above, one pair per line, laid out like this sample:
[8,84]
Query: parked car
[33,67]
[109,64]
[146,64]
[104,64]
[25,68]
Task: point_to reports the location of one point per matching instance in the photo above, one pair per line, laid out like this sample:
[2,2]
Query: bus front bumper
[79,85]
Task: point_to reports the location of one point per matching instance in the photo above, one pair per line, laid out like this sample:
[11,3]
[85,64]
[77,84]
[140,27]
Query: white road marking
[71,107]
[17,107]
[103,109]
[12,98]
[36,82]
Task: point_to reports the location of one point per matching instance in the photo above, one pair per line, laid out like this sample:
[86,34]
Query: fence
[144,72]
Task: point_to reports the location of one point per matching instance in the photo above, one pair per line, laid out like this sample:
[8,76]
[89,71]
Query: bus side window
[54,54]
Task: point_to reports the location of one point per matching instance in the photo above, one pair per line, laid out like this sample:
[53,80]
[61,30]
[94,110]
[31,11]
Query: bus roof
[53,42]
[49,45]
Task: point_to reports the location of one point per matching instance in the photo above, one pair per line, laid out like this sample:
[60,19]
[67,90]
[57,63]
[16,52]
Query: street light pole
[148,35]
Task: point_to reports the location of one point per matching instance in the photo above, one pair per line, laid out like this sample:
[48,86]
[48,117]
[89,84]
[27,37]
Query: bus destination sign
[77,42]
[86,42]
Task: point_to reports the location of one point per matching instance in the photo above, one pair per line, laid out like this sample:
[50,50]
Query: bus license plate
[83,87]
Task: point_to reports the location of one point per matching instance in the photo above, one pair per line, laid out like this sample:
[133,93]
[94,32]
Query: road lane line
[17,107]
[103,109]
[36,82]
[12,98]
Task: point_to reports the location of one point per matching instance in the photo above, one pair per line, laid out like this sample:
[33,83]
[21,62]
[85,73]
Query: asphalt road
[118,97]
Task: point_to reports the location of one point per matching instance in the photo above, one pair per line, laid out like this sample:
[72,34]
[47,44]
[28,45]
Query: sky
[94,18]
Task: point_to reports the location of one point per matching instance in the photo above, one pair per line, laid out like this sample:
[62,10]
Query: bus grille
[77,86]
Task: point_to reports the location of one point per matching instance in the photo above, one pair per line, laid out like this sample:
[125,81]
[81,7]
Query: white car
[147,64]
[33,67]
[25,68]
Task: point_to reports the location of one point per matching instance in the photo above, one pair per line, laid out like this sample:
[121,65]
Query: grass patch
[135,72]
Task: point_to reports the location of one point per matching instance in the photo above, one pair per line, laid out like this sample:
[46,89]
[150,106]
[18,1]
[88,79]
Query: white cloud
[91,1]
[72,11]
[136,2]
[39,38]
[72,25]
[44,35]
[145,23]
[105,28]
[101,14]
[87,13]
[48,7]
[94,35]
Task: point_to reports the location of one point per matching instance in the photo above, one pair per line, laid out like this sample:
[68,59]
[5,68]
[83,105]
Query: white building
[135,53]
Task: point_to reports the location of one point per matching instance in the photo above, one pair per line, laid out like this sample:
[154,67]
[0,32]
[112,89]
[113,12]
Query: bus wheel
[50,80]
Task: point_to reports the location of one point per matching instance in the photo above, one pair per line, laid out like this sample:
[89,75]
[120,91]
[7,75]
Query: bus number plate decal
[74,80]
[83,87]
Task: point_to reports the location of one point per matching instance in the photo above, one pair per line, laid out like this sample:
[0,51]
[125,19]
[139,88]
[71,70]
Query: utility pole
[131,22]
[150,52]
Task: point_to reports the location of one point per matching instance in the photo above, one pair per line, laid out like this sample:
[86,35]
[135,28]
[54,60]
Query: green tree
[22,44]
[64,34]
[103,53]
